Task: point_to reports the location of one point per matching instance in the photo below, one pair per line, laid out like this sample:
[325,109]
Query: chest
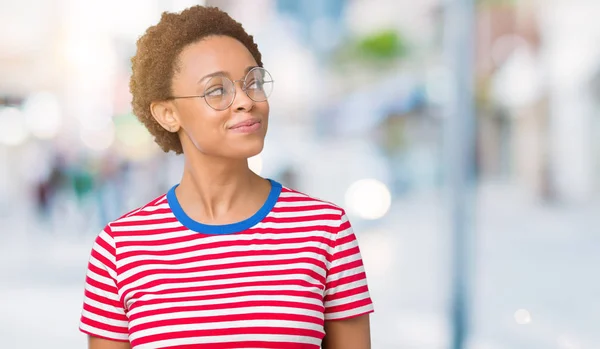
[257,285]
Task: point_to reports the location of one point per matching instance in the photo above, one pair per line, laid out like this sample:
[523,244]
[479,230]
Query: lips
[245,123]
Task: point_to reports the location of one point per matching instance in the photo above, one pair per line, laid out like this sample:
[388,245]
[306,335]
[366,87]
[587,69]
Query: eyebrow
[221,73]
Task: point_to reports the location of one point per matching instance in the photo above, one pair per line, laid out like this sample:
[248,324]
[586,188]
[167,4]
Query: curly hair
[156,60]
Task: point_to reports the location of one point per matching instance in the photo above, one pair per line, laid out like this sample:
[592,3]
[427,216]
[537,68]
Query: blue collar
[191,224]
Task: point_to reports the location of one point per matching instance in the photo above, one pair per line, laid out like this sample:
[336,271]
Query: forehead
[215,53]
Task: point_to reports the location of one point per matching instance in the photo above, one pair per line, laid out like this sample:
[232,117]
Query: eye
[215,91]
[255,84]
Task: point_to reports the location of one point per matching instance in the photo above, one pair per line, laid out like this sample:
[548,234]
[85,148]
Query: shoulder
[326,215]
[154,210]
[132,223]
[299,201]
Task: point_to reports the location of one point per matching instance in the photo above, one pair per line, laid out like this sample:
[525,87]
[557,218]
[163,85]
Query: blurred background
[368,112]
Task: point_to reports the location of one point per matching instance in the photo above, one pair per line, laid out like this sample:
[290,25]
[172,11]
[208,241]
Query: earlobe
[164,114]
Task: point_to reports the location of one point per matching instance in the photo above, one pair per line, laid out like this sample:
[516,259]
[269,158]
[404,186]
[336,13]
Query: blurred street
[372,109]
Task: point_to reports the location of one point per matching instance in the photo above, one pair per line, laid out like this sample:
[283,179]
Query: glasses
[219,91]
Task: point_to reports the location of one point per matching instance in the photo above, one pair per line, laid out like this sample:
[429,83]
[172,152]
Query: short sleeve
[103,314]
[346,290]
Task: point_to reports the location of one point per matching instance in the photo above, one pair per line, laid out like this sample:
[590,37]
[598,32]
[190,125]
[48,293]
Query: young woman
[225,259]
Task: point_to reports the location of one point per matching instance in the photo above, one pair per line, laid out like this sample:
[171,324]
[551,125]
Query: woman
[225,259]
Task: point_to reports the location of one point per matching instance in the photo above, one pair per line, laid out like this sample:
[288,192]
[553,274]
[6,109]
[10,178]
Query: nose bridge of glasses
[242,83]
[244,91]
[242,86]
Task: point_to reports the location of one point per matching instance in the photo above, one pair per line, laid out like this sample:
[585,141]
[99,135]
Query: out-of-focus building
[536,111]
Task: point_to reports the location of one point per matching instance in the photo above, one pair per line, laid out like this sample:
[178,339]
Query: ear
[164,113]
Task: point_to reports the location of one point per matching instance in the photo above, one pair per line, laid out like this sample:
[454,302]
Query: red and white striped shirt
[159,279]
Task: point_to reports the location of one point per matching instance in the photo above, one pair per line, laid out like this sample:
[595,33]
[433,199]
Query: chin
[248,151]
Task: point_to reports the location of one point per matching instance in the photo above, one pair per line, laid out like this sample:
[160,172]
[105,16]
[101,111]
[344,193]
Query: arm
[351,333]
[346,298]
[101,343]
[103,317]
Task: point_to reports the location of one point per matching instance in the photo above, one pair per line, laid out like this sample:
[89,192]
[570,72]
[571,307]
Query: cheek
[264,109]
[203,125]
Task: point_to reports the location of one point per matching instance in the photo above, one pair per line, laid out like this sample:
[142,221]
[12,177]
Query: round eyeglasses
[219,91]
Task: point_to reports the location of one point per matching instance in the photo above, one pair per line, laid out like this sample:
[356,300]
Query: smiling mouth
[248,126]
[245,123]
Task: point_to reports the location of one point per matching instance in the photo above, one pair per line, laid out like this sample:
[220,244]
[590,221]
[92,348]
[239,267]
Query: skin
[352,333]
[217,186]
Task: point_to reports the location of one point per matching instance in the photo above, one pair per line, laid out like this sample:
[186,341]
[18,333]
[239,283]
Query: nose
[241,101]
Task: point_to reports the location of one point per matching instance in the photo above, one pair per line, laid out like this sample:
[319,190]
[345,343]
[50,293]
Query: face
[232,131]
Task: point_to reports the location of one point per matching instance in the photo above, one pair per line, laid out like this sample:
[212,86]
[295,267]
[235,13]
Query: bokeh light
[43,115]
[98,139]
[368,198]
[522,317]
[13,130]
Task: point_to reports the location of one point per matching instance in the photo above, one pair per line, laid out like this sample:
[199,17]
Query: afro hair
[155,61]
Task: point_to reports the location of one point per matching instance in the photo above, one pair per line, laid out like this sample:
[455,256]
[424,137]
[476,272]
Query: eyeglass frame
[234,90]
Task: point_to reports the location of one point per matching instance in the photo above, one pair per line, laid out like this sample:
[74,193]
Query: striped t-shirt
[159,279]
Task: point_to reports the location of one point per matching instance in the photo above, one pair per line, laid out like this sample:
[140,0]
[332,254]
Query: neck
[213,187]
